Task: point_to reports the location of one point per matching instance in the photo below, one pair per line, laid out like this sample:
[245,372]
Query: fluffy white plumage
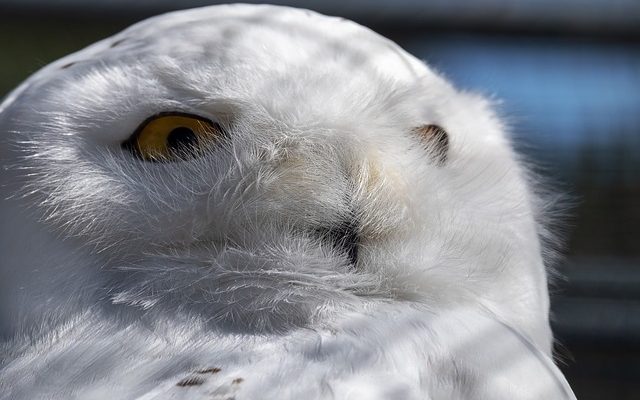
[219,276]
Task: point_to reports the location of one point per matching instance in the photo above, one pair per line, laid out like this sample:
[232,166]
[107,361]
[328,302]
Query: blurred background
[568,76]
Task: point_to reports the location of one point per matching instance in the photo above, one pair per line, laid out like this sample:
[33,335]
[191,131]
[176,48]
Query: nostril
[345,237]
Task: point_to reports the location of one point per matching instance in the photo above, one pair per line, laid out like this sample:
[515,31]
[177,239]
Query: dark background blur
[568,73]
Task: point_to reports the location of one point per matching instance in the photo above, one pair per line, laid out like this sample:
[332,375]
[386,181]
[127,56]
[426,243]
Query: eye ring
[173,136]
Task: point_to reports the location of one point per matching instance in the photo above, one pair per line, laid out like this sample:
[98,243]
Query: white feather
[123,278]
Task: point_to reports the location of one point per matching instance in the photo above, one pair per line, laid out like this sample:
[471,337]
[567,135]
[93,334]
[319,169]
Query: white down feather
[209,278]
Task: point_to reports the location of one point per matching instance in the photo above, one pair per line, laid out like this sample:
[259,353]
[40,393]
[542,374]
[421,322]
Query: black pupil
[182,140]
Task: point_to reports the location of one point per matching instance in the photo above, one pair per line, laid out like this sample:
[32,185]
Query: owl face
[260,163]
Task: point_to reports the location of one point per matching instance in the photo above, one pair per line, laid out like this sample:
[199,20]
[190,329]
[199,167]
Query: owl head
[262,167]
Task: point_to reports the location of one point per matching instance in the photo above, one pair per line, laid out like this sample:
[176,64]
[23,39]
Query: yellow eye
[173,136]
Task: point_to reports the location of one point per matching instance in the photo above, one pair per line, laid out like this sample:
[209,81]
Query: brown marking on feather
[190,381]
[213,370]
[237,381]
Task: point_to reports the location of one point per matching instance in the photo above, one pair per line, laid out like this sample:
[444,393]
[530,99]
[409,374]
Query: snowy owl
[258,202]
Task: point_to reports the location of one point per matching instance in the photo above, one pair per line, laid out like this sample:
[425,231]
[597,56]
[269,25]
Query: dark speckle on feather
[213,370]
[190,381]
[117,42]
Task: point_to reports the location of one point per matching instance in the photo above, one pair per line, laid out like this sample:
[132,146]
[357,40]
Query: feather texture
[221,276]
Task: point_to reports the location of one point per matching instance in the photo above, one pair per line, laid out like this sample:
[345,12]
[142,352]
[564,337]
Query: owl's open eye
[173,136]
